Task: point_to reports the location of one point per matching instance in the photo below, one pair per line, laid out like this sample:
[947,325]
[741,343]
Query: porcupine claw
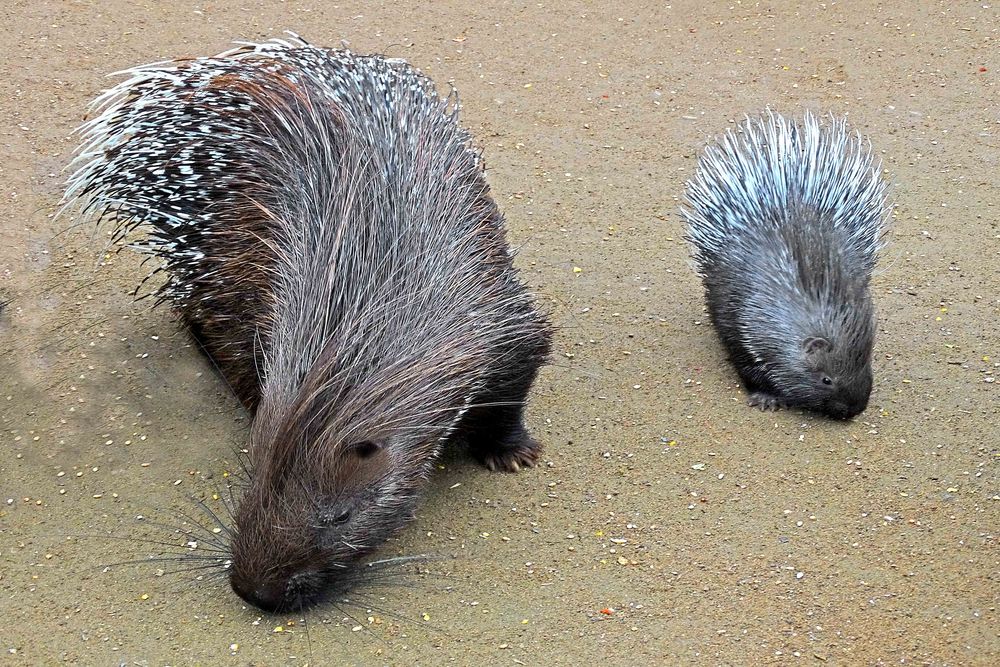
[766,402]
[513,457]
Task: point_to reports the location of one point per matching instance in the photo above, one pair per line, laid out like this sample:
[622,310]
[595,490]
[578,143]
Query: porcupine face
[836,382]
[300,534]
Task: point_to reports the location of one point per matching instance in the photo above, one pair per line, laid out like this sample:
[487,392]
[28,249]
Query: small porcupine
[330,239]
[786,219]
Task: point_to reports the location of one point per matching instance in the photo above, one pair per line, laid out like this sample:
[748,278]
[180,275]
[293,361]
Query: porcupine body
[786,219]
[330,239]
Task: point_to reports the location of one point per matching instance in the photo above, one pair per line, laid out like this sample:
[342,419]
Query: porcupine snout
[268,597]
[853,400]
[293,593]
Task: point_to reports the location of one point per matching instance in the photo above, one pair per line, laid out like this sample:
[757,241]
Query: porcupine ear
[815,344]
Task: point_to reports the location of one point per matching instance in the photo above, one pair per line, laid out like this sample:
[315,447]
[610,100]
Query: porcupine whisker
[397,560]
[213,516]
[145,540]
[392,580]
[207,542]
[229,503]
[81,570]
[200,542]
[184,587]
[218,572]
[243,473]
[206,562]
[195,560]
[356,621]
[193,521]
[218,575]
[367,605]
[182,555]
[396,573]
[305,625]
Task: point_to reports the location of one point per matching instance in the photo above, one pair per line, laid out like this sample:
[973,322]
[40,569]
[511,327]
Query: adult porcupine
[330,239]
[786,219]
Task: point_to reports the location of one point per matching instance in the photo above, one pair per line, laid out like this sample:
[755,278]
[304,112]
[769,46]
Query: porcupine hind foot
[766,402]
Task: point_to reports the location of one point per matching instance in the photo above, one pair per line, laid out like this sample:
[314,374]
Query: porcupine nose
[840,411]
[266,597]
[847,408]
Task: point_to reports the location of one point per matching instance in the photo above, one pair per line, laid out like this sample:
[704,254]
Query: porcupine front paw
[517,450]
[765,402]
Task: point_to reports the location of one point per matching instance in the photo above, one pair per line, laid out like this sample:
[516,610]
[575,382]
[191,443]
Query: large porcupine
[786,220]
[330,239]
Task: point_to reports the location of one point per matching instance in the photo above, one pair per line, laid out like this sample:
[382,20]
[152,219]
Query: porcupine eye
[330,519]
[365,450]
[827,379]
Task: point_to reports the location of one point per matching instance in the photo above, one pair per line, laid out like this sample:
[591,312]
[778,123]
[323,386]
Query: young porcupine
[330,239]
[786,220]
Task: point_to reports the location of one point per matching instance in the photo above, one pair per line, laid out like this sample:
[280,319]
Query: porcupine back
[786,222]
[329,237]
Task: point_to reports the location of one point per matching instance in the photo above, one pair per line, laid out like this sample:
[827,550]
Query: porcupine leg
[496,434]
[762,395]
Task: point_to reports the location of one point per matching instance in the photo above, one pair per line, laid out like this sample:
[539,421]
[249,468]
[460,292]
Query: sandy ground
[669,523]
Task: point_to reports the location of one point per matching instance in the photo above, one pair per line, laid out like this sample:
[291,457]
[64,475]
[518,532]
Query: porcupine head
[316,504]
[336,458]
